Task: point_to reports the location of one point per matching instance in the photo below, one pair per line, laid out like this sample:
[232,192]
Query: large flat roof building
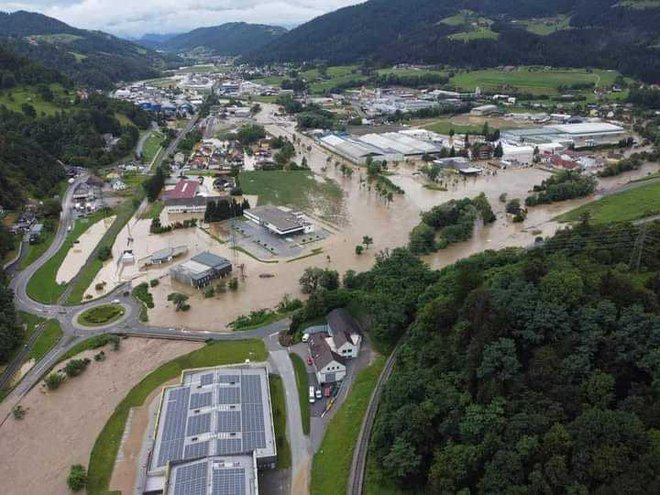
[276,220]
[213,413]
[201,270]
[581,135]
[216,475]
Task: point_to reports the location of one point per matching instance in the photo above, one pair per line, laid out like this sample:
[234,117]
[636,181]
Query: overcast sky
[136,17]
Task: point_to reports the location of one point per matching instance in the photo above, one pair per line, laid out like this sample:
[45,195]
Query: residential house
[329,366]
[345,333]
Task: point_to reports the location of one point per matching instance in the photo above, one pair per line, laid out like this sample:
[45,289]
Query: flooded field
[363,213]
[79,252]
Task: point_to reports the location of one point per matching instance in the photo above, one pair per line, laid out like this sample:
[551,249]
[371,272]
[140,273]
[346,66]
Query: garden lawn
[151,147]
[47,340]
[42,287]
[626,206]
[302,383]
[104,452]
[331,465]
[279,421]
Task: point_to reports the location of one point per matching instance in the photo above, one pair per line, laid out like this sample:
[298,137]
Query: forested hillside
[92,58]
[482,33]
[531,372]
[34,142]
[235,38]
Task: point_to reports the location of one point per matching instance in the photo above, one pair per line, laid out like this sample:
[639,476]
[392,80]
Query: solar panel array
[197,450]
[229,481]
[192,479]
[230,407]
[174,428]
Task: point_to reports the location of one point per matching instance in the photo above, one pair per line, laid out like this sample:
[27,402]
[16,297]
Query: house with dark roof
[329,366]
[345,333]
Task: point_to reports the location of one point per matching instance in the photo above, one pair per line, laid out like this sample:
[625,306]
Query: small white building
[345,334]
[329,366]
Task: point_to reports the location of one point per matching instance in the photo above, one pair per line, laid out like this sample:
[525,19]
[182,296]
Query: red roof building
[185,189]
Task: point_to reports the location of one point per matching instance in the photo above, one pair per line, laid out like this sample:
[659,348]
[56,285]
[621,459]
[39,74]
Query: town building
[200,270]
[331,346]
[185,198]
[579,135]
[215,427]
[329,366]
[278,221]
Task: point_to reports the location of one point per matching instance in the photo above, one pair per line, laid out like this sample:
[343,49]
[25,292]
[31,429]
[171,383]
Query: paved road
[300,444]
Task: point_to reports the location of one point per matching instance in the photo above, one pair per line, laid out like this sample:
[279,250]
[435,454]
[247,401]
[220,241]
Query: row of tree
[224,209]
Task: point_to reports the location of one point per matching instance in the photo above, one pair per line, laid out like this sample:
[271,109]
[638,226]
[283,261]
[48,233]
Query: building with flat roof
[278,221]
[200,270]
[214,413]
[216,475]
[580,135]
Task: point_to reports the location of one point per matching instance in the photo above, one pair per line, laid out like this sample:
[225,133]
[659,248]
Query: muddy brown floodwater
[363,213]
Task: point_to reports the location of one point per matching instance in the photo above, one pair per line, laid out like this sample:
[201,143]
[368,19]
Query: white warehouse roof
[588,128]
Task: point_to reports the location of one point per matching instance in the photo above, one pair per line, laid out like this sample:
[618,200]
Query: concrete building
[200,270]
[486,110]
[278,221]
[218,421]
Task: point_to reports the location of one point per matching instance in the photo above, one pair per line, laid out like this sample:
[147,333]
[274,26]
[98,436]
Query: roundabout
[101,316]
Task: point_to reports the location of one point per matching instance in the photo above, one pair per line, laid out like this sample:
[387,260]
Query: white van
[305,338]
[312,396]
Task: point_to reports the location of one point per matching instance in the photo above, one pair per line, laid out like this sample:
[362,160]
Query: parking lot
[264,244]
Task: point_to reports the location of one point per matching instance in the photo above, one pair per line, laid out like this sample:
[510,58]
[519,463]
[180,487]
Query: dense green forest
[33,145]
[91,58]
[609,34]
[531,372]
[233,38]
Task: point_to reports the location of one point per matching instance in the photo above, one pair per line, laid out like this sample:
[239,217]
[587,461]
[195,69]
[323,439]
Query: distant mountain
[93,58]
[623,35]
[153,40]
[235,38]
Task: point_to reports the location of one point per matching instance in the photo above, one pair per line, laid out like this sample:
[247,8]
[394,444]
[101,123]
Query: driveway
[300,445]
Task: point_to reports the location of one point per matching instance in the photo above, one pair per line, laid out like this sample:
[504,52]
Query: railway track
[359,465]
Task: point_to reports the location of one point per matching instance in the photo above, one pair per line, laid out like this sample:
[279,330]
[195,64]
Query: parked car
[318,393]
[305,338]
[310,361]
[328,390]
[312,395]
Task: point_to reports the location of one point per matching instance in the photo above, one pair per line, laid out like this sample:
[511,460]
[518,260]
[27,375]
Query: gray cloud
[124,17]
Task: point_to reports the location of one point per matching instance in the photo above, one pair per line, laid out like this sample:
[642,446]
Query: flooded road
[363,213]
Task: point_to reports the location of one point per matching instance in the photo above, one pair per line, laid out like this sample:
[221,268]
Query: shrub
[233,284]
[76,366]
[99,356]
[77,479]
[154,282]
[18,412]
[54,380]
[209,292]
[105,253]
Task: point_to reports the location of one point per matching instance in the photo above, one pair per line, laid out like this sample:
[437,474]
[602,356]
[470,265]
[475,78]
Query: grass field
[104,452]
[277,398]
[640,202]
[151,147]
[47,340]
[302,383]
[42,286]
[15,98]
[296,188]
[546,26]
[34,251]
[124,213]
[154,210]
[331,465]
[536,81]
[101,315]
[445,125]
[480,33]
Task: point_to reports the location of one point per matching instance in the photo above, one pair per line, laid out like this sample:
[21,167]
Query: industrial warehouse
[278,221]
[391,146]
[582,135]
[212,432]
[200,270]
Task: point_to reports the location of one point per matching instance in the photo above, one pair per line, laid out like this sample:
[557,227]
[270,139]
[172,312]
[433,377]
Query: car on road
[305,338]
[319,395]
[115,301]
[328,390]
[312,395]
[310,361]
